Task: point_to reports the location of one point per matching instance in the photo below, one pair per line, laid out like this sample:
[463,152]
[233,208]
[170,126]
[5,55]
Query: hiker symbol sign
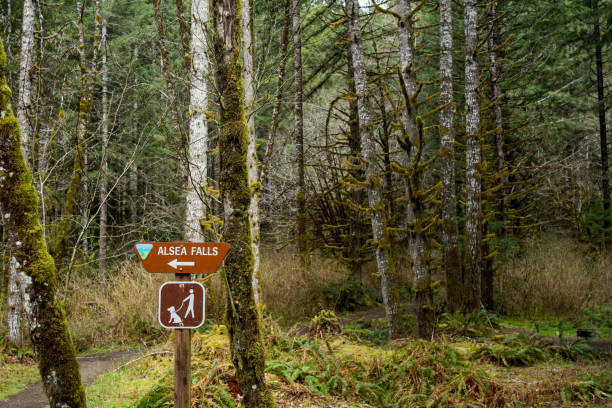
[181,305]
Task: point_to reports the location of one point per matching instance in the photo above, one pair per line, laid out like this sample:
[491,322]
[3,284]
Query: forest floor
[348,362]
[90,366]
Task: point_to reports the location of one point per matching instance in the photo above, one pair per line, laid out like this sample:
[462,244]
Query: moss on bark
[246,343]
[47,322]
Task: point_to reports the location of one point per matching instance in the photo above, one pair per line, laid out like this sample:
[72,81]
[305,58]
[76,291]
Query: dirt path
[90,367]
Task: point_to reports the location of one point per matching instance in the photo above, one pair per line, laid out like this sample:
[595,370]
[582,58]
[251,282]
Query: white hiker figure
[189,298]
[174,317]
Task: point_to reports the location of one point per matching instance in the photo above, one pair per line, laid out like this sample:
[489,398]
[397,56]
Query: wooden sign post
[181,303]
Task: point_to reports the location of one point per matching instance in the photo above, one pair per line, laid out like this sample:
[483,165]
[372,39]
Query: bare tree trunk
[103,191]
[384,261]
[451,256]
[24,103]
[88,79]
[356,171]
[299,133]
[601,105]
[49,334]
[198,123]
[246,343]
[15,305]
[278,97]
[248,39]
[494,70]
[473,233]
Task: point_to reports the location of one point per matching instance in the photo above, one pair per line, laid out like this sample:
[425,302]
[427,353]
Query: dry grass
[289,290]
[121,310]
[553,276]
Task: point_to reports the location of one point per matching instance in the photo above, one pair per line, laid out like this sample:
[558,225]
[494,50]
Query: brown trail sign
[181,257]
[181,304]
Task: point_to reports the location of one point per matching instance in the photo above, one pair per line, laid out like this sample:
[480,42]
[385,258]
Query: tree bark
[355,172]
[300,196]
[24,103]
[412,142]
[103,191]
[494,71]
[601,110]
[246,343]
[473,234]
[198,122]
[49,334]
[451,256]
[384,261]
[248,40]
[24,113]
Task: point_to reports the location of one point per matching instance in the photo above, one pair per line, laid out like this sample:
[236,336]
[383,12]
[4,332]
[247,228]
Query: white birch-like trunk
[104,165]
[24,103]
[473,160]
[24,106]
[248,37]
[198,125]
[451,256]
[15,305]
[384,262]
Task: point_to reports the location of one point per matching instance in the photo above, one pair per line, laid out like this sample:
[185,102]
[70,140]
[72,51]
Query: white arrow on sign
[175,262]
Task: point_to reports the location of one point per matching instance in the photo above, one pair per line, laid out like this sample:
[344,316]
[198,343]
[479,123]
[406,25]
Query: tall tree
[248,40]
[49,334]
[451,256]
[103,190]
[246,343]
[24,114]
[300,196]
[198,122]
[601,110]
[472,277]
[384,261]
[411,140]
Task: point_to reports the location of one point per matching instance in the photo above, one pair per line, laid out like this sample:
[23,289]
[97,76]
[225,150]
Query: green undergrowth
[340,370]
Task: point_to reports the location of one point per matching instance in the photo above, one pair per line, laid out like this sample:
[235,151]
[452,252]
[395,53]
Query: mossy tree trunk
[356,175]
[411,140]
[246,343]
[25,116]
[49,334]
[384,261]
[472,260]
[88,79]
[451,255]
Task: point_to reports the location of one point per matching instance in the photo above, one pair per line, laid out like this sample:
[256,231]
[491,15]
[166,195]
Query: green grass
[551,327]
[120,388]
[15,378]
